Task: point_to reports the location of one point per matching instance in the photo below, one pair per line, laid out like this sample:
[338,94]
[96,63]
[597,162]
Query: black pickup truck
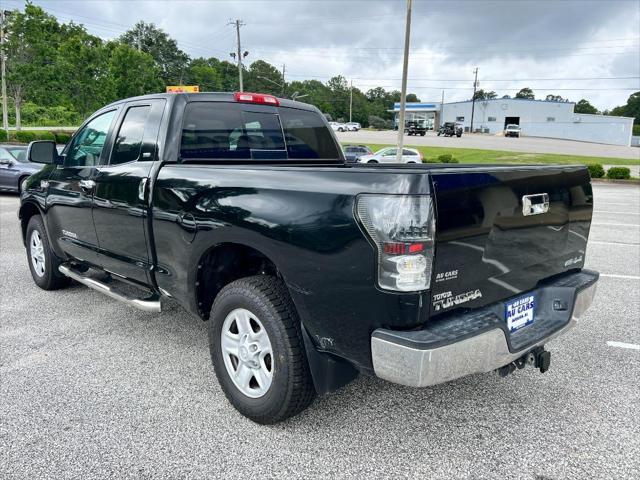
[240,207]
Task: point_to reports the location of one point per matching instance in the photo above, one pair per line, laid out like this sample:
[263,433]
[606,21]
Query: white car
[353,126]
[512,130]
[388,155]
[338,127]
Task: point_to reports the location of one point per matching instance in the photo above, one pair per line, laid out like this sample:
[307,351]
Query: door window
[129,140]
[408,152]
[87,145]
[389,153]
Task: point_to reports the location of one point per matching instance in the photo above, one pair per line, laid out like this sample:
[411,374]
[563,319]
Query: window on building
[459,119]
[491,119]
[551,119]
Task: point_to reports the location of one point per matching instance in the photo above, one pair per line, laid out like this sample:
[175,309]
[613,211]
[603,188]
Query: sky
[577,49]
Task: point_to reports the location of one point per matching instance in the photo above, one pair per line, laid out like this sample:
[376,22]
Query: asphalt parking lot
[91,388]
[496,142]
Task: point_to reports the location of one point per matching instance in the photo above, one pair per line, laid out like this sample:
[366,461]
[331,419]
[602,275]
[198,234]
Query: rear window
[216,130]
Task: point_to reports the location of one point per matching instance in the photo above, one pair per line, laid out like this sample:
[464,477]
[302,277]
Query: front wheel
[372,161]
[257,350]
[43,263]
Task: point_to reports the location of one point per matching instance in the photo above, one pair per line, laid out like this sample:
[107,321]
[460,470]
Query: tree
[84,69]
[131,72]
[583,106]
[412,97]
[203,73]
[264,78]
[631,109]
[148,38]
[31,51]
[527,93]
[555,98]
[482,95]
[505,97]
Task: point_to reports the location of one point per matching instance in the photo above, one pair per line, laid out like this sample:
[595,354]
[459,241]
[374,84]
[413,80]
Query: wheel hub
[247,353]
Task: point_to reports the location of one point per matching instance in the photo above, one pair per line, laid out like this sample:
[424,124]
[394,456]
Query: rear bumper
[421,358]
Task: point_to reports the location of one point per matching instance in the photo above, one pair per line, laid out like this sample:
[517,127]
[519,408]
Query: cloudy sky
[577,49]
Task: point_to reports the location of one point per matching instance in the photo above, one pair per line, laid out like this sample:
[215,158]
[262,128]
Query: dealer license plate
[520,312]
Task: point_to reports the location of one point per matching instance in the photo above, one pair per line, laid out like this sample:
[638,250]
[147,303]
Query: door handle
[87,185]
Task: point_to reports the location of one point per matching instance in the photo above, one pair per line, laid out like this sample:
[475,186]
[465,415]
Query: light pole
[403,94]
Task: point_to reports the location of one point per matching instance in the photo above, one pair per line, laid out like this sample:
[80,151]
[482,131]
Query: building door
[511,121]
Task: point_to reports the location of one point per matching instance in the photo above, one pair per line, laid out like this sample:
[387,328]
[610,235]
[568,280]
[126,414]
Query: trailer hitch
[538,358]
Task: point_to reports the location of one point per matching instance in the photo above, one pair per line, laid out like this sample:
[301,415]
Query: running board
[151,304]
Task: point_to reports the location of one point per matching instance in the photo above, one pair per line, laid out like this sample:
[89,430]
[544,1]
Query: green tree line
[58,73]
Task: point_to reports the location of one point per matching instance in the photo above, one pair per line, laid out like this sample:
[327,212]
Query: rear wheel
[372,161]
[43,263]
[257,350]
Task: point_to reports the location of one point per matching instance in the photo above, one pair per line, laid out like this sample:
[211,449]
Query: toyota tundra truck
[309,271]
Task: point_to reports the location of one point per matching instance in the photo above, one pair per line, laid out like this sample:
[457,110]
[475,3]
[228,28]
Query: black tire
[438,133]
[291,390]
[422,134]
[372,161]
[51,278]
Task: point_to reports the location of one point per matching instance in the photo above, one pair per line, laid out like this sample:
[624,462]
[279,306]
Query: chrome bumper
[478,354]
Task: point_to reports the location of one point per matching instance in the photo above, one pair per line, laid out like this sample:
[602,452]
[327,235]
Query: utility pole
[238,23]
[284,69]
[473,100]
[441,111]
[350,100]
[5,113]
[403,94]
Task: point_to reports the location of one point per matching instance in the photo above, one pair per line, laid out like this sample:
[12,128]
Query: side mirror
[5,161]
[42,151]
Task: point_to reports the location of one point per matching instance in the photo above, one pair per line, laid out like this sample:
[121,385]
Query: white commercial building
[537,118]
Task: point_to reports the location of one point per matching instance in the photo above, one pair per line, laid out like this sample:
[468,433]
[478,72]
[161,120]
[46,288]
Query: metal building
[537,118]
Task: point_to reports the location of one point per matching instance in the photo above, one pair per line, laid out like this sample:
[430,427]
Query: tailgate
[488,249]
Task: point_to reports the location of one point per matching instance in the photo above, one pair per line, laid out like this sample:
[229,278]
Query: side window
[307,136]
[129,140]
[87,145]
[389,152]
[408,152]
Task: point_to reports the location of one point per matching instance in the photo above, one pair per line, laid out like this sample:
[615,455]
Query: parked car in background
[388,155]
[512,130]
[353,126]
[415,128]
[14,167]
[353,152]
[338,127]
[449,129]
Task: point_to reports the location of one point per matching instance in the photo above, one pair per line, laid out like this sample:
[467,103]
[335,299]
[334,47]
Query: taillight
[402,227]
[421,155]
[256,98]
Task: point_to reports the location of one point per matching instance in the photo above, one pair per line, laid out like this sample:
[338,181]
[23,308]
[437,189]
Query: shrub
[24,136]
[636,130]
[619,173]
[62,137]
[377,122]
[596,170]
[447,158]
[431,160]
[3,136]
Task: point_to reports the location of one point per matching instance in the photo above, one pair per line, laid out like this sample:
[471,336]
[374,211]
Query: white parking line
[631,346]
[622,244]
[617,224]
[627,277]
[621,213]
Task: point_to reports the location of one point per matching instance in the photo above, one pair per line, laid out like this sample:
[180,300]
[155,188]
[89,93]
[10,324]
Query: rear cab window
[232,131]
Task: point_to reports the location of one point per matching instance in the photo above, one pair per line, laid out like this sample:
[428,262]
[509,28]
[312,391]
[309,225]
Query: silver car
[14,167]
[388,155]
